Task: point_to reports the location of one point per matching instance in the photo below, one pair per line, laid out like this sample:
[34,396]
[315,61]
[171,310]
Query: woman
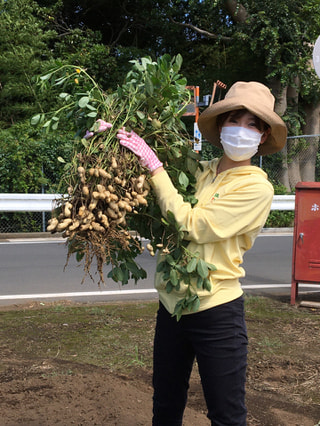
[234,200]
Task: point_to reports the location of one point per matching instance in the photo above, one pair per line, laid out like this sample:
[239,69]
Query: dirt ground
[45,392]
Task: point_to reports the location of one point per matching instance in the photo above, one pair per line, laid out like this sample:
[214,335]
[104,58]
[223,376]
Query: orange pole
[197,97]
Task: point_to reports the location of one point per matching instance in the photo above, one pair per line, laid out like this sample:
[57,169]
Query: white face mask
[239,143]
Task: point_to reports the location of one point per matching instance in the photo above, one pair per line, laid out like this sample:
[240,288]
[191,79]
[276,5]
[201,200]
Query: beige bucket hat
[256,98]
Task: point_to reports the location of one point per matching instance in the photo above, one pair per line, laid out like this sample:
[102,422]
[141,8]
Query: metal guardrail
[46,202]
[27,202]
[283,202]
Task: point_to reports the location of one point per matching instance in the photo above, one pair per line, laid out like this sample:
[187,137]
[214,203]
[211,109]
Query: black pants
[217,338]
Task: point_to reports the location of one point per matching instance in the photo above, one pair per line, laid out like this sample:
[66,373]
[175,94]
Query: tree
[25,46]
[32,39]
[224,40]
[276,38]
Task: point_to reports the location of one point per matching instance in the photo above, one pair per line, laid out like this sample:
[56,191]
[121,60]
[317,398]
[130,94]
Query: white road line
[314,288]
[76,294]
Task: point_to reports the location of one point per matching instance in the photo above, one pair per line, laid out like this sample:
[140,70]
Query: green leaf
[143,273]
[92,108]
[61,160]
[199,282]
[46,77]
[149,85]
[179,60]
[117,274]
[191,165]
[176,153]
[136,271]
[166,275]
[79,256]
[169,287]
[125,274]
[133,268]
[64,95]
[202,268]
[178,309]
[162,266]
[61,80]
[174,278]
[92,114]
[181,81]
[164,221]
[85,142]
[196,304]
[83,101]
[181,269]
[171,218]
[141,115]
[35,119]
[207,284]
[183,179]
[170,260]
[190,301]
[192,265]
[211,267]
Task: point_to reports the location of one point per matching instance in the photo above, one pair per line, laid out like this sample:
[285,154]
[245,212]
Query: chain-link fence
[16,222]
[23,222]
[299,162]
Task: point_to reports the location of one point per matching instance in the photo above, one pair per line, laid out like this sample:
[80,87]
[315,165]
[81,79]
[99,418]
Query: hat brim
[276,140]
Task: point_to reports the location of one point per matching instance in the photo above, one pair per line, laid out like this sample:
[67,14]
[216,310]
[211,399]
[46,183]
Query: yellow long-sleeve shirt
[231,210]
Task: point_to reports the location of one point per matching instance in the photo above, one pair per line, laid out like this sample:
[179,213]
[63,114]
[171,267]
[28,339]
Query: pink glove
[103,125]
[99,126]
[139,147]
[88,135]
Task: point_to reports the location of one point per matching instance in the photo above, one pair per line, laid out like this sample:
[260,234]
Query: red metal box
[306,237]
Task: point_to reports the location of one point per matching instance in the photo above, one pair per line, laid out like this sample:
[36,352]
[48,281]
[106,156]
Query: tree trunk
[293,145]
[237,10]
[280,93]
[308,156]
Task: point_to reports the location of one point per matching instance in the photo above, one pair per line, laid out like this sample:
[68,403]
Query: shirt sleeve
[243,208]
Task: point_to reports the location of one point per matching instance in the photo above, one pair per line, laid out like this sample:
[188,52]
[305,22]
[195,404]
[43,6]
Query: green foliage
[24,44]
[20,222]
[84,48]
[151,101]
[317,179]
[209,151]
[19,154]
[179,267]
[280,218]
[32,37]
[29,164]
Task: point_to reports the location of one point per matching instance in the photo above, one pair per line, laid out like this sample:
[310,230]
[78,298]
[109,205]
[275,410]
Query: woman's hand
[139,147]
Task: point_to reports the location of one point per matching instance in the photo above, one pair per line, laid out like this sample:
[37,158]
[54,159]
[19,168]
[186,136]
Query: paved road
[34,269]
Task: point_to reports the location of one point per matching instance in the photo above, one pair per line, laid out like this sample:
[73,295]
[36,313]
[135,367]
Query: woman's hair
[261,125]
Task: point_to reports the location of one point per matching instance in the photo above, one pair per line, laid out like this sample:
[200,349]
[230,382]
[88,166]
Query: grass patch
[117,336]
[120,336]
[47,347]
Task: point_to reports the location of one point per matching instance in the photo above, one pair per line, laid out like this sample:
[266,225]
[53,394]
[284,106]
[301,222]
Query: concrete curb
[25,235]
[277,231]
